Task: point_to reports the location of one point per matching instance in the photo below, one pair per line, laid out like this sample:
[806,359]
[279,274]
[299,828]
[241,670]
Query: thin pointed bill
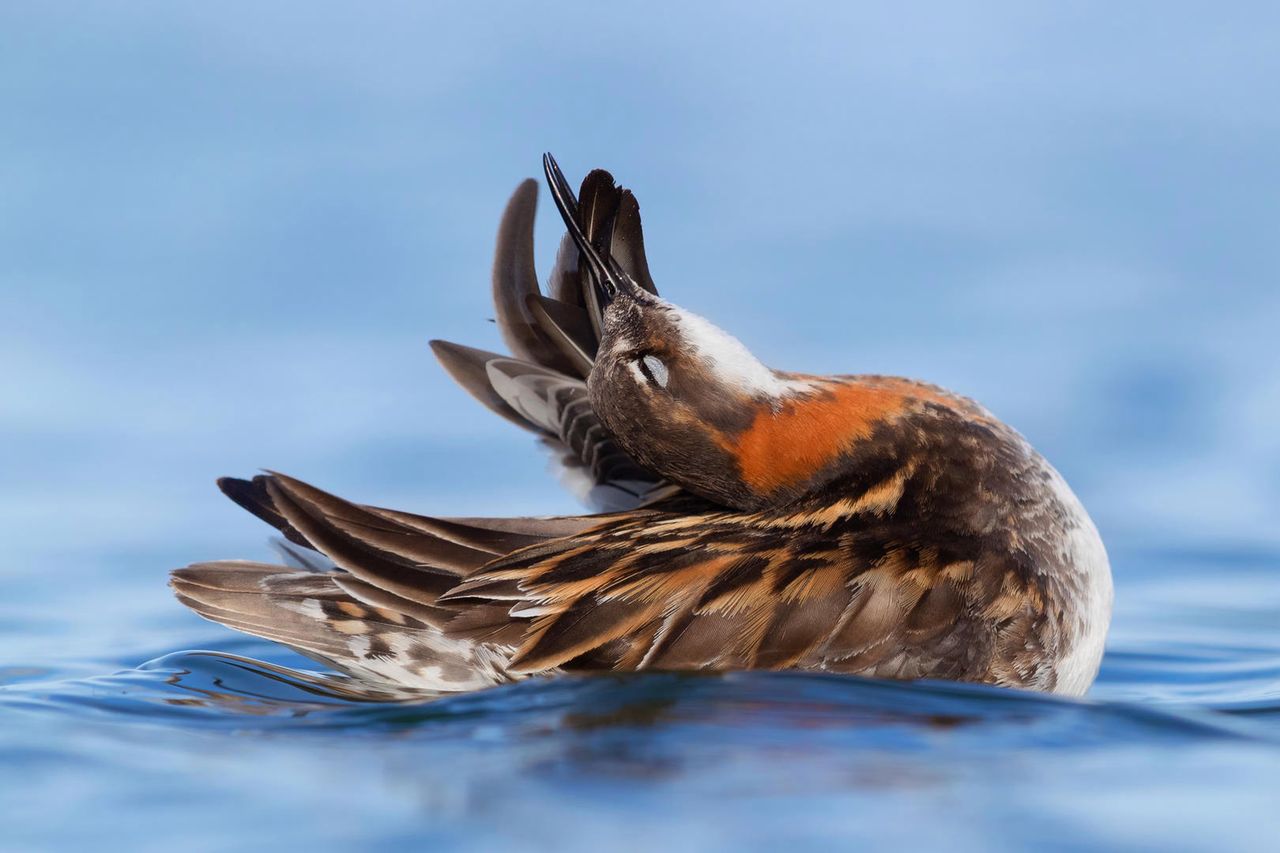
[608,276]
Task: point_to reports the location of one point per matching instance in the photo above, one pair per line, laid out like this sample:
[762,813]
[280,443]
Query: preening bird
[753,518]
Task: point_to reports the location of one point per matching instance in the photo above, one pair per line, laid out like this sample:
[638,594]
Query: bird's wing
[363,587]
[450,603]
[352,534]
[553,341]
[712,589]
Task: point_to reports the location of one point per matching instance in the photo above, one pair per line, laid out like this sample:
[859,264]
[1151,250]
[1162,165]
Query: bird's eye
[653,370]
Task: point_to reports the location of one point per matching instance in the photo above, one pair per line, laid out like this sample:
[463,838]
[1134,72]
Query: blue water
[227,231]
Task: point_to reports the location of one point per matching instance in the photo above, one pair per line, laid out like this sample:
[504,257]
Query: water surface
[227,232]
[1178,746]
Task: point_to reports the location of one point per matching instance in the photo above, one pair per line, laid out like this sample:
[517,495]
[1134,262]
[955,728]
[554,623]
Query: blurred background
[227,232]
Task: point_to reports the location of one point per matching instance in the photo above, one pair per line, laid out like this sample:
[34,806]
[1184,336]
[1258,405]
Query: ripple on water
[220,690]
[1184,723]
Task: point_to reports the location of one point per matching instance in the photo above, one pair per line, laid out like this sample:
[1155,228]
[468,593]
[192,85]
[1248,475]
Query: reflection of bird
[756,518]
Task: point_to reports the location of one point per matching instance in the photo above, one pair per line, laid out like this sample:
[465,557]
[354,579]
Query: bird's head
[677,391]
[673,388]
[690,402]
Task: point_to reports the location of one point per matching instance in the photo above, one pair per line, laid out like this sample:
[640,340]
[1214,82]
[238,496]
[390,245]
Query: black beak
[609,277]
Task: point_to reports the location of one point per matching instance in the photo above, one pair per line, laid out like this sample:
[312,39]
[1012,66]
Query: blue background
[227,232]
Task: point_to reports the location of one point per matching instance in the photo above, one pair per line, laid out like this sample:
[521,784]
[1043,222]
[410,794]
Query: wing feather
[569,328]
[515,280]
[553,342]
[681,585]
[318,616]
[392,540]
[467,367]
[707,590]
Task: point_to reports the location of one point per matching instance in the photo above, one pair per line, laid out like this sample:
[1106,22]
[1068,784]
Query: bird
[742,517]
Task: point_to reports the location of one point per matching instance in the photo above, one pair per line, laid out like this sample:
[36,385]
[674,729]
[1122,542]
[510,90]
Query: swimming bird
[751,518]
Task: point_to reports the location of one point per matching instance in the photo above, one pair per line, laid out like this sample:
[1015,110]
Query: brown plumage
[757,519]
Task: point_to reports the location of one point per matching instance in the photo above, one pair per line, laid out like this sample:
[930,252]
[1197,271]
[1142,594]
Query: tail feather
[237,577]
[252,495]
[301,557]
[419,583]
[364,591]
[392,540]
[270,616]
[367,593]
[364,595]
[492,536]
[319,617]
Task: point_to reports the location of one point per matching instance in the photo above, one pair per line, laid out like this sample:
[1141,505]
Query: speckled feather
[860,524]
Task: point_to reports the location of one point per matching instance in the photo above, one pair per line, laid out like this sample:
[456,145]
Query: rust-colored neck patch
[788,447]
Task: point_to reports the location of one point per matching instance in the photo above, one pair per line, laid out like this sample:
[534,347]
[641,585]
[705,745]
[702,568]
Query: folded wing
[376,613]
[453,604]
[715,589]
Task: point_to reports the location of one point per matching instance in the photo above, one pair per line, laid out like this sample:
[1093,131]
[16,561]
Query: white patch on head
[727,358]
[1085,555]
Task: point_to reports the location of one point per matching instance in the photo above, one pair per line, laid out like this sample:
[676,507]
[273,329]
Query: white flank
[1084,554]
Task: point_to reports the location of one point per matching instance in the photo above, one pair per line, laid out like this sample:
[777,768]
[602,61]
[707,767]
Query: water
[1177,747]
[226,234]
